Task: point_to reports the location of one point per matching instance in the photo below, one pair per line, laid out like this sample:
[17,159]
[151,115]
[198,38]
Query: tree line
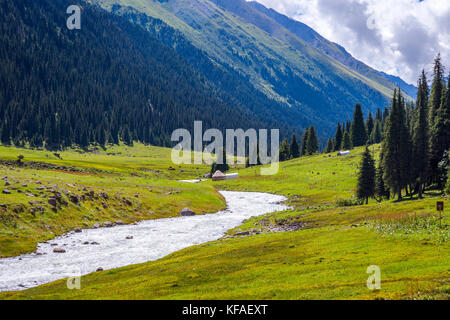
[352,133]
[415,148]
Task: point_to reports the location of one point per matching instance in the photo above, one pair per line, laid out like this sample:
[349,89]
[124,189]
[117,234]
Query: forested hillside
[110,80]
[295,74]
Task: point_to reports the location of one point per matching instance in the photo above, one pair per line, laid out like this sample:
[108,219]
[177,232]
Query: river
[149,240]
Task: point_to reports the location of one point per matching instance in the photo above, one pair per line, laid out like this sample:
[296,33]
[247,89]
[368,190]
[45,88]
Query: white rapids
[152,240]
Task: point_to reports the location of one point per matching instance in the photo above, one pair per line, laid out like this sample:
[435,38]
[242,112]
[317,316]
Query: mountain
[109,80]
[285,69]
[332,49]
[409,89]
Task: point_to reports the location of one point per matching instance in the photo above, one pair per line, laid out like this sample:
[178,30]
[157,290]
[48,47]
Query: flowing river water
[109,248]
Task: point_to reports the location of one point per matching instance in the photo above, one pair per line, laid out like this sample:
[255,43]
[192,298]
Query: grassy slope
[328,259]
[140,174]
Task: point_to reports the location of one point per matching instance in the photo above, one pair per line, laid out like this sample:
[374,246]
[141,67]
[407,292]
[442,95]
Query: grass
[139,183]
[326,259]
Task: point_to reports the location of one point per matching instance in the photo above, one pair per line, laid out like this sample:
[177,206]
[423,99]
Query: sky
[400,37]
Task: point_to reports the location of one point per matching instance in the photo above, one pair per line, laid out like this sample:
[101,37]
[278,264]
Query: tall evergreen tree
[396,147]
[312,144]
[294,150]
[366,177]
[330,146]
[436,89]
[447,188]
[348,126]
[126,136]
[6,136]
[369,124]
[381,192]
[377,134]
[440,134]
[303,150]
[421,135]
[347,141]
[386,113]
[285,150]
[358,130]
[338,138]
[379,115]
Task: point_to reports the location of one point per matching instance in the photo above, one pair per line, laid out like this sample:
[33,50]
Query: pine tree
[421,135]
[303,150]
[338,138]
[396,161]
[447,188]
[379,115]
[377,134]
[366,178]
[312,144]
[347,141]
[285,150]
[294,149]
[6,137]
[440,134]
[381,192]
[386,113]
[330,146]
[358,130]
[369,124]
[436,90]
[126,136]
[348,126]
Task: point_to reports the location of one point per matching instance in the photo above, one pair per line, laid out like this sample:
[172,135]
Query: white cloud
[400,37]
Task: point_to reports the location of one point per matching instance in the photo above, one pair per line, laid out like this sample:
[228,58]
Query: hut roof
[218,174]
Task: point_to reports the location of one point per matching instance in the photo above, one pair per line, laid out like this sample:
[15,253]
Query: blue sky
[400,37]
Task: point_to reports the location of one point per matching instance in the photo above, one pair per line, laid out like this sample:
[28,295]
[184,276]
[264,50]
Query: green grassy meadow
[119,184]
[318,249]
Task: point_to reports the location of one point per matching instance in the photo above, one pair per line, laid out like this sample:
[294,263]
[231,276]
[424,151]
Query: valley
[319,249]
[351,204]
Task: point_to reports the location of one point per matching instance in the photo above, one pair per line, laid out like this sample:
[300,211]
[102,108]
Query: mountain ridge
[321,88]
[330,48]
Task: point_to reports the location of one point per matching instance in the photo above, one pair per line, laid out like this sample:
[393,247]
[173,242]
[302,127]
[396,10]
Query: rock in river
[186,212]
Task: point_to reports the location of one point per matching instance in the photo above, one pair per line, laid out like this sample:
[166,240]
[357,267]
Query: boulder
[77,230]
[186,212]
[59,250]
[240,234]
[127,202]
[6,191]
[74,198]
[207,175]
[52,201]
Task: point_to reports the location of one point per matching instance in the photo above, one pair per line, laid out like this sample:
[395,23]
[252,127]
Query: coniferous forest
[111,82]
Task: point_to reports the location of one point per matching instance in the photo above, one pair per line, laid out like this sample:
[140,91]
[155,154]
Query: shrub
[348,202]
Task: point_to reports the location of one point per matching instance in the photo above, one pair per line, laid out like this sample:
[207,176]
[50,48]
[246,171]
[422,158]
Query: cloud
[399,37]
